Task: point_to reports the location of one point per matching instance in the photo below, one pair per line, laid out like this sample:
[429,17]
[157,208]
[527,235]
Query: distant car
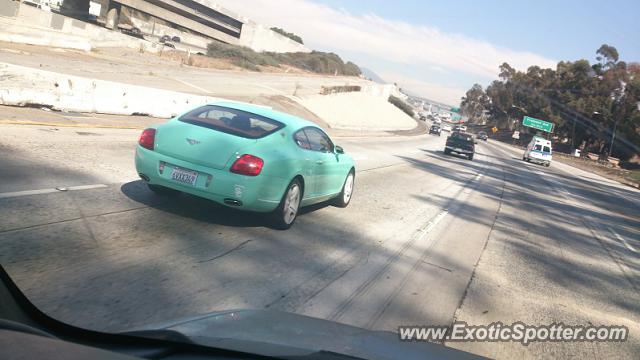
[435,129]
[37,4]
[246,157]
[463,128]
[175,39]
[165,38]
[422,117]
[460,143]
[132,31]
[456,128]
[446,127]
[538,151]
[483,135]
[169,45]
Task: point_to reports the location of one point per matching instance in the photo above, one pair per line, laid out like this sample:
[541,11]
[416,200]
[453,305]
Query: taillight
[247,165]
[147,138]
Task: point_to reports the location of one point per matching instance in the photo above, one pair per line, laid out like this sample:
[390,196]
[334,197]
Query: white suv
[538,151]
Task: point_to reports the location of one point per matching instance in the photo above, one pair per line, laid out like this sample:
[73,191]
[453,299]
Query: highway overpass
[199,18]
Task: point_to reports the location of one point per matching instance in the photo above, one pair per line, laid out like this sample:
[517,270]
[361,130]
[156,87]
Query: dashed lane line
[12,194]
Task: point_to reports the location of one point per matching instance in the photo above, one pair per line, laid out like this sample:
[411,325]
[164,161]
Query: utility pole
[573,132]
[613,138]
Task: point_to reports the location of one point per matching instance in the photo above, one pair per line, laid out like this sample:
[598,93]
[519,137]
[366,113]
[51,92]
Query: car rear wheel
[343,199]
[162,190]
[470,156]
[447,151]
[285,214]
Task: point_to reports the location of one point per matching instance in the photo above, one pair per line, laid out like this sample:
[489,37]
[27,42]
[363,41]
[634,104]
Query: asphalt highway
[427,239]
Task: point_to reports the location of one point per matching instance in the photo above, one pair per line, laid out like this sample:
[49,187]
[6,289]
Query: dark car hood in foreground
[283,334]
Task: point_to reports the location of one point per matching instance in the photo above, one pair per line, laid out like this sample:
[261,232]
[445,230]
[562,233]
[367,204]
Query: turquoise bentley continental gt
[247,157]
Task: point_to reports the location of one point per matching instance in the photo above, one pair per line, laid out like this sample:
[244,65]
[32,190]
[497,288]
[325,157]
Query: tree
[474,103]
[607,55]
[585,102]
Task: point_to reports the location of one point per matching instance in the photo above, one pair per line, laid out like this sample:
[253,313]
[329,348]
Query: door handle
[319,162]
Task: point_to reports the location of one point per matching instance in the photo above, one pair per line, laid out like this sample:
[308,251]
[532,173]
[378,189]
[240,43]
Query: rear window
[461,136]
[537,147]
[546,149]
[232,121]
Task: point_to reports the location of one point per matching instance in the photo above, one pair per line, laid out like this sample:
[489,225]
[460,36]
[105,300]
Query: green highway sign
[537,124]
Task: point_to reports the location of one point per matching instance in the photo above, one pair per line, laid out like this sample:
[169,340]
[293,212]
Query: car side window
[301,140]
[318,140]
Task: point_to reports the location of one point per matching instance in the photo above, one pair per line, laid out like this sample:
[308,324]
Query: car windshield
[232,121]
[339,177]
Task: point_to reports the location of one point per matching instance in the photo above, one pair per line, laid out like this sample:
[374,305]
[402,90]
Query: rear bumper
[459,150]
[254,193]
[538,160]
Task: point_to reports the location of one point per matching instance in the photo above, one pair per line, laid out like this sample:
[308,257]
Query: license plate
[184,176]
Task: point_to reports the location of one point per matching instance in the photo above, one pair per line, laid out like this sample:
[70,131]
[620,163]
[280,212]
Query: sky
[439,49]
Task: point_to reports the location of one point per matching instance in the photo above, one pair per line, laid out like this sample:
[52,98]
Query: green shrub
[400,104]
[291,36]
[315,61]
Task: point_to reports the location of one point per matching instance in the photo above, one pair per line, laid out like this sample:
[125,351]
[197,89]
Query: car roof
[539,139]
[268,112]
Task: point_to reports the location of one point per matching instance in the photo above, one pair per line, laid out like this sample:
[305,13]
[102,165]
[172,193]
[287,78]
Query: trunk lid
[197,144]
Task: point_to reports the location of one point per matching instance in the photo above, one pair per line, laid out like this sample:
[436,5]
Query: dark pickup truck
[460,143]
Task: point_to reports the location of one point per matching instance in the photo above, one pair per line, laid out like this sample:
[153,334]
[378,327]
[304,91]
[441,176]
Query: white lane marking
[192,85]
[626,244]
[271,88]
[478,177]
[554,183]
[359,157]
[433,222]
[49,191]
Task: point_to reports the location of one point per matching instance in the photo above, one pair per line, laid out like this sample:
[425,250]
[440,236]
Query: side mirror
[339,150]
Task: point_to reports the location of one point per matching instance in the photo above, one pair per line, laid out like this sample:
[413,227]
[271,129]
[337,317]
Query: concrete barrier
[22,86]
[358,111]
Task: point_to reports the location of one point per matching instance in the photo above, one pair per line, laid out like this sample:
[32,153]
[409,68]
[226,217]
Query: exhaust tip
[144,177]
[232,202]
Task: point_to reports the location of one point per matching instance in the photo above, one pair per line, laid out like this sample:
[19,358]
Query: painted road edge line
[12,194]
[55,124]
[624,242]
